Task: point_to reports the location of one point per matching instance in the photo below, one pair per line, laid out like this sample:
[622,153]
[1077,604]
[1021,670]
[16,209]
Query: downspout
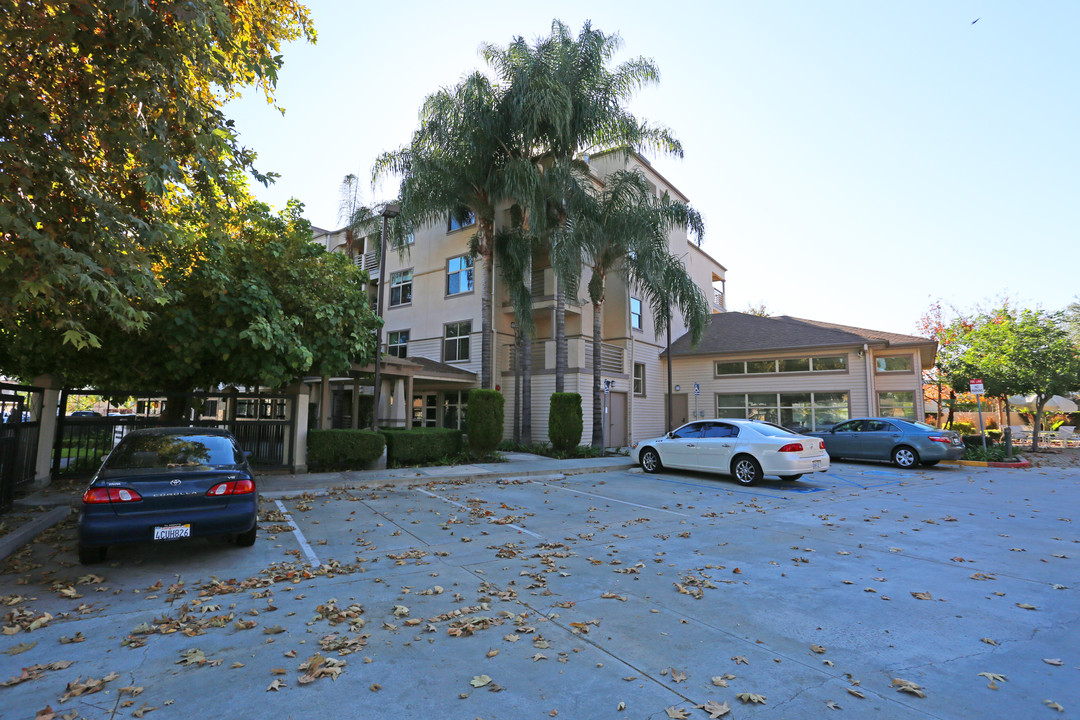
[630,403]
[870,409]
[494,331]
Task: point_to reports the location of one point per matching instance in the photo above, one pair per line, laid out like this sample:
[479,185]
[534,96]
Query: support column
[408,401]
[302,396]
[355,403]
[47,425]
[324,404]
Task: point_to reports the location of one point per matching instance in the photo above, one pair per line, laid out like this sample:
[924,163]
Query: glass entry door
[425,410]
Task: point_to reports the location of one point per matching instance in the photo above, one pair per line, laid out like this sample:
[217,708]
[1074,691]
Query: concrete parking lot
[607,595]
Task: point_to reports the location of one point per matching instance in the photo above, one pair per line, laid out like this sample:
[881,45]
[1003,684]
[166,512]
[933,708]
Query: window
[693,430]
[900,404]
[397,343]
[720,430]
[761,366]
[459,275]
[795,365]
[635,313]
[456,341]
[455,403]
[822,364]
[457,220]
[894,363]
[731,368]
[797,411]
[400,288]
[639,378]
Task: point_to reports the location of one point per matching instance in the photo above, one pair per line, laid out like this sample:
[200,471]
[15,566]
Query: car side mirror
[671,435]
[247,454]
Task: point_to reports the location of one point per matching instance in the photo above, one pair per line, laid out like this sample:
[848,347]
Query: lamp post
[390,210]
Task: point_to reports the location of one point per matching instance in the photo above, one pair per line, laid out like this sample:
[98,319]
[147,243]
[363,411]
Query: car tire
[791,477]
[650,461]
[930,463]
[746,470]
[905,457]
[247,539]
[92,554]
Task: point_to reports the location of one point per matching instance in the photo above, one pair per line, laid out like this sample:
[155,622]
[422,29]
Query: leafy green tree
[249,300]
[624,229]
[110,111]
[564,100]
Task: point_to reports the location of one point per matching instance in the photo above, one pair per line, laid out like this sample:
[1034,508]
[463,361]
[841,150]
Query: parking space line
[466,507]
[605,497]
[299,535]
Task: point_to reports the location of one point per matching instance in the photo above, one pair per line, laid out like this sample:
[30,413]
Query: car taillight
[791,447]
[233,487]
[940,439]
[821,444]
[97,495]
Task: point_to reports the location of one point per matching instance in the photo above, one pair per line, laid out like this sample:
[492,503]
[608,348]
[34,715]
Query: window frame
[391,346]
[392,285]
[458,340]
[640,325]
[453,225]
[635,379]
[466,270]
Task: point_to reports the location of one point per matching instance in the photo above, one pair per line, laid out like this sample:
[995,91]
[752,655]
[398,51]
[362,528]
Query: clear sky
[854,161]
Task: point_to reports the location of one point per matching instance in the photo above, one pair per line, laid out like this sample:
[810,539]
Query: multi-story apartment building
[433,323]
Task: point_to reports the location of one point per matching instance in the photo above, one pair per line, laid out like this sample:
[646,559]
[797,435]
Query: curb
[20,536]
[1021,465]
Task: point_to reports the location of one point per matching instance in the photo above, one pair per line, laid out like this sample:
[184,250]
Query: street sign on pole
[977,391]
[697,388]
[977,387]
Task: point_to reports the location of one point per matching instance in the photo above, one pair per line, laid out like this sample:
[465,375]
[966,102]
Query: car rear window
[772,430]
[173,452]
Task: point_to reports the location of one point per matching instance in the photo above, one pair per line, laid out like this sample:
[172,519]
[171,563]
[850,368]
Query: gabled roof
[735,332]
[435,370]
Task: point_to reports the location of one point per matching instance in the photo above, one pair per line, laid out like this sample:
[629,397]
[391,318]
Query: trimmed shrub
[420,445]
[363,410]
[964,428]
[484,423]
[564,421]
[343,449]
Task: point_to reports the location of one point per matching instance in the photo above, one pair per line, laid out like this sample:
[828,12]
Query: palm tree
[455,162]
[564,100]
[624,229]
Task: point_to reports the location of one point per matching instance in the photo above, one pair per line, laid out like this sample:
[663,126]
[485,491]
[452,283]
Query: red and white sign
[977,387]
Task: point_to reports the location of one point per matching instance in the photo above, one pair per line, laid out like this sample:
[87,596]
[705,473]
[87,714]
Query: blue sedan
[165,484]
[905,443]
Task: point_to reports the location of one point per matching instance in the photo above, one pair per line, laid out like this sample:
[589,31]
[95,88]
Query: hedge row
[343,449]
[564,421]
[420,445]
[485,421]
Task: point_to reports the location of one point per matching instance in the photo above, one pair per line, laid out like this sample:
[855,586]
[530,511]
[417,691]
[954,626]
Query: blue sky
[854,161]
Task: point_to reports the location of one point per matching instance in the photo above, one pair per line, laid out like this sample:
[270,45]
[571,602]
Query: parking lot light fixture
[389,211]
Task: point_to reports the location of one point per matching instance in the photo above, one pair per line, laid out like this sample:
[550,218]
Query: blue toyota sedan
[167,484]
[905,443]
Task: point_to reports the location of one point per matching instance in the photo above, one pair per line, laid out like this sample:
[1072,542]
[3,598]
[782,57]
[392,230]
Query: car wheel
[747,470]
[791,477]
[905,457]
[930,463]
[650,460]
[247,539]
[89,554]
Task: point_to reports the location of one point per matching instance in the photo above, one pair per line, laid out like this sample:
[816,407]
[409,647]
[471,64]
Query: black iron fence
[20,423]
[263,424]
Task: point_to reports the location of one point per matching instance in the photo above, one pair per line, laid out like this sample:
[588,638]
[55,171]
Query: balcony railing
[368,261]
[718,298]
[579,356]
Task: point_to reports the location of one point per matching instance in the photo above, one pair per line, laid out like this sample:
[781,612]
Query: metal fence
[263,424]
[20,423]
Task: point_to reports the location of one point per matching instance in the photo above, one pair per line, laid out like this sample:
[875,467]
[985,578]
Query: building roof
[735,332]
[435,370]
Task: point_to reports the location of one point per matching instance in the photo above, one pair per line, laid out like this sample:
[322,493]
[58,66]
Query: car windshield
[158,453]
[772,430]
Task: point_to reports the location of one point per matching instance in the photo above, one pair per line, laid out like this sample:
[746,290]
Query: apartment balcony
[718,299]
[543,294]
[578,356]
[368,261]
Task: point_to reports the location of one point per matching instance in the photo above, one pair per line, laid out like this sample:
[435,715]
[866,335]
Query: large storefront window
[897,404]
[797,411]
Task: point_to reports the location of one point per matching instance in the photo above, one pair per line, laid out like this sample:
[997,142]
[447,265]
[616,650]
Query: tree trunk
[560,336]
[952,402]
[517,385]
[597,396]
[526,389]
[1036,425]
[485,307]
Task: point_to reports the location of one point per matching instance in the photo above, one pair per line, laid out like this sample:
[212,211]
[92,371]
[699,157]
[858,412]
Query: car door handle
[690,445]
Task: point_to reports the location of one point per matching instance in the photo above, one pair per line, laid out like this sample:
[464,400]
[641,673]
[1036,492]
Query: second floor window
[401,288]
[635,313]
[397,343]
[457,220]
[456,341]
[459,275]
[639,378]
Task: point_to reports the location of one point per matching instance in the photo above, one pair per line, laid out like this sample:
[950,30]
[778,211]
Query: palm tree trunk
[486,255]
[526,389]
[560,336]
[517,385]
[597,397]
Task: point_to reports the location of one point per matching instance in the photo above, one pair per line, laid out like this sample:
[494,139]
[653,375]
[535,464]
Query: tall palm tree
[565,101]
[454,162]
[624,229]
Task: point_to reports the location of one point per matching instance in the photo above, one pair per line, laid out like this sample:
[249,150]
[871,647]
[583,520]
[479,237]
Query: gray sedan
[904,443]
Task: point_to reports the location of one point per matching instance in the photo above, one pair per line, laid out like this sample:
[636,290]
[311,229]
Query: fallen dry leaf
[714,709]
[988,641]
[479,680]
[922,596]
[833,705]
[908,686]
[1052,661]
[753,698]
[856,693]
[740,660]
[675,713]
[20,648]
[276,685]
[818,649]
[1053,705]
[677,675]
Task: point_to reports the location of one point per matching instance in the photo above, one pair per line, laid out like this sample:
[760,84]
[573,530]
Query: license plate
[817,464]
[172,532]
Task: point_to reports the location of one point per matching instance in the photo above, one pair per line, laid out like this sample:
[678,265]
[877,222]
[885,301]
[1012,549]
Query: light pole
[390,210]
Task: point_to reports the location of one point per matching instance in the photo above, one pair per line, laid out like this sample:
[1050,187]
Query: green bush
[964,428]
[363,410]
[993,453]
[564,421]
[343,449]
[420,445]
[484,423]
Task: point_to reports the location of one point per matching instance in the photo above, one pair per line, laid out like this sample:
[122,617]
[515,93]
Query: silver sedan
[905,443]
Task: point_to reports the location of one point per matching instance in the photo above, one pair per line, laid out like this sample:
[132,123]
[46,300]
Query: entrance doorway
[425,410]
[680,410]
[616,429]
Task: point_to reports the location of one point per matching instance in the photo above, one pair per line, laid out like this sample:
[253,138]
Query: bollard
[1008,443]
